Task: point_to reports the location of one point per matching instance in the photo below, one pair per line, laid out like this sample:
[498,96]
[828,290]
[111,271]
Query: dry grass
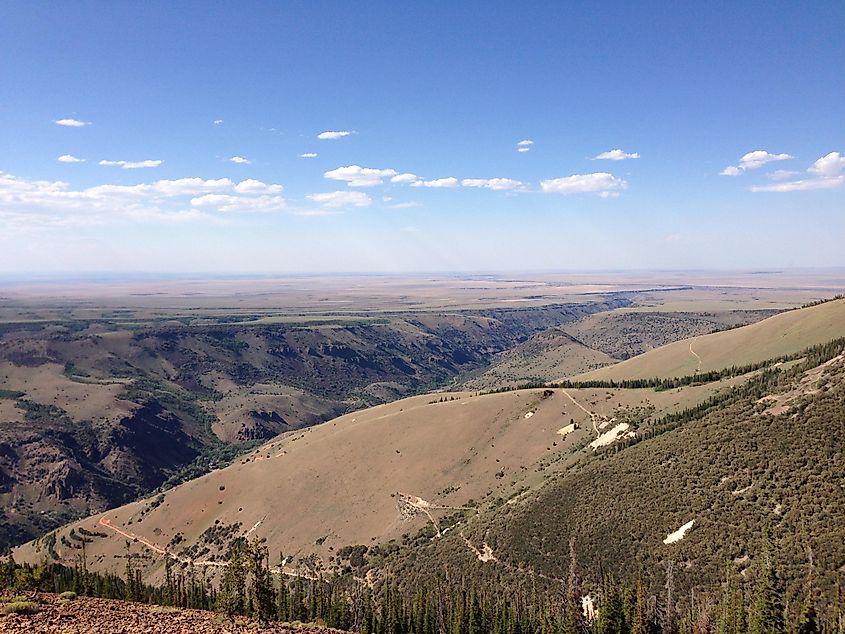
[783,334]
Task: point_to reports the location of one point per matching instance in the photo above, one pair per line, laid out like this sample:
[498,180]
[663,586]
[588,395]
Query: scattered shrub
[20,607]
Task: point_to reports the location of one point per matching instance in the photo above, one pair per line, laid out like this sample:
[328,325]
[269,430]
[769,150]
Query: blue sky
[723,124]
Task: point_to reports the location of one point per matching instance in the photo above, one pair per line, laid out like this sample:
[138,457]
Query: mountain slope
[369,477]
[93,415]
[699,495]
[783,334]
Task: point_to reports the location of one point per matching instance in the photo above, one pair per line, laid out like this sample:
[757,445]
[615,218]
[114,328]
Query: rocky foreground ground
[106,616]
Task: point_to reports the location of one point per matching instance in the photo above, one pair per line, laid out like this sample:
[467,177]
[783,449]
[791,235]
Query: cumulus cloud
[252,186]
[308,155]
[240,160]
[492,183]
[330,135]
[404,179]
[599,182]
[357,176]
[56,203]
[522,149]
[616,155]
[829,165]
[337,199]
[451,181]
[72,123]
[825,174]
[218,121]
[132,165]
[524,145]
[753,160]
[69,158]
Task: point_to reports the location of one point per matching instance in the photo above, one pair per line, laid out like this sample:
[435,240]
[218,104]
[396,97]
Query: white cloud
[358,176]
[523,149]
[69,158]
[332,134]
[252,186]
[229,203]
[72,123]
[828,165]
[308,155]
[825,175]
[132,165]
[802,185]
[451,181]
[218,121]
[599,182]
[333,200]
[752,160]
[56,204]
[616,155]
[407,205]
[240,160]
[758,158]
[405,178]
[780,175]
[525,143]
[492,183]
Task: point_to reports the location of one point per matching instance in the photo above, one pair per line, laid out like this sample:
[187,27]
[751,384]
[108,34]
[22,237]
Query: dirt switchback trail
[695,354]
[280,570]
[593,416]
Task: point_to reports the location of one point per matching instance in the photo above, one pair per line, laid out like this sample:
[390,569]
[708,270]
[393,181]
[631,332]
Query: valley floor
[89,616]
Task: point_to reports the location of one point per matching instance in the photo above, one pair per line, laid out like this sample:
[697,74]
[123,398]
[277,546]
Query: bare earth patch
[90,616]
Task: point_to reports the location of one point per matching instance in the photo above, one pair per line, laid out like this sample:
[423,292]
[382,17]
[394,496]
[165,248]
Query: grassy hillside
[93,415]
[768,457]
[782,334]
[374,475]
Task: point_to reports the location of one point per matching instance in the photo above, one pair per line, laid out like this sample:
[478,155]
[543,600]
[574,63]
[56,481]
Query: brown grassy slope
[736,471]
[108,615]
[120,412]
[337,484]
[785,333]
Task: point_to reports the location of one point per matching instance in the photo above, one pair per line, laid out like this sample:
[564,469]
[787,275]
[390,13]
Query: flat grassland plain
[315,298]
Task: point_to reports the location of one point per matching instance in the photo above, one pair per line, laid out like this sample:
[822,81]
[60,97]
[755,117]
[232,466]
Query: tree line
[452,604]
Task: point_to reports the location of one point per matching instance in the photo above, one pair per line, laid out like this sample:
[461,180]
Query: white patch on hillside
[679,534]
[563,431]
[529,415]
[588,607]
[611,436]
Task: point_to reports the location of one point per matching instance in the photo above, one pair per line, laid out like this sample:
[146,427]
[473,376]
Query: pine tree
[231,599]
[261,588]
[767,614]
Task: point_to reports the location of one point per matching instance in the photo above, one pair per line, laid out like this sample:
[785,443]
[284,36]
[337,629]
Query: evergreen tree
[231,599]
[767,614]
[261,589]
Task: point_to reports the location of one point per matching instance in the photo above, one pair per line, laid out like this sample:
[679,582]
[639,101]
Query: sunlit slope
[349,481]
[338,483]
[782,334]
